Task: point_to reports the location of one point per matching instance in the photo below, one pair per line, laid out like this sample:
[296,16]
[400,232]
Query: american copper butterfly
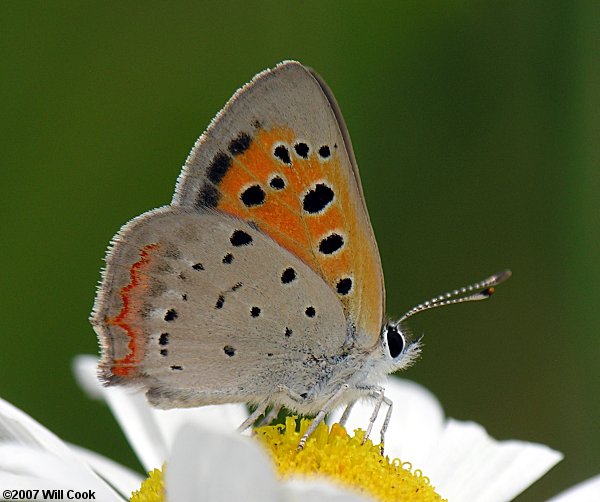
[261,282]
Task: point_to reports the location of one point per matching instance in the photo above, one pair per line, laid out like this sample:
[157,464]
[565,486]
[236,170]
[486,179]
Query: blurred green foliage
[475,124]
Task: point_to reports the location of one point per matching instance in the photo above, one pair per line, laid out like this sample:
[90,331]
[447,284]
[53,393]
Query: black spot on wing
[317,199]
[229,350]
[208,196]
[163,339]
[331,244]
[324,152]
[240,238]
[282,153]
[310,312]
[253,196]
[344,286]
[288,275]
[227,259]
[240,144]
[170,315]
[301,150]
[218,167]
[255,311]
[277,183]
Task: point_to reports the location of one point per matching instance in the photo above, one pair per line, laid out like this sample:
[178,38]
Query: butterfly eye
[395,340]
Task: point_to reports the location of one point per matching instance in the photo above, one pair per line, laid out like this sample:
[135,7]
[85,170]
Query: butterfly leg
[378,393]
[386,422]
[346,414]
[321,415]
[293,395]
[269,417]
[260,409]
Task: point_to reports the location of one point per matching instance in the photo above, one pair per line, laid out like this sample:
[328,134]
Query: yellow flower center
[345,460]
[328,453]
[152,489]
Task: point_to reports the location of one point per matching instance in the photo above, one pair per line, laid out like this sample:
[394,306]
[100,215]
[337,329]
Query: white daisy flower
[201,464]
[33,458]
[459,459]
[206,461]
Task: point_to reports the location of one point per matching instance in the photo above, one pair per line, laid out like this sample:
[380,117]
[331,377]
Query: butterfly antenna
[481,290]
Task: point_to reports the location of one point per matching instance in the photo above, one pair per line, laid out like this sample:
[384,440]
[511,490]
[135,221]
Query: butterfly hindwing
[279,156]
[202,308]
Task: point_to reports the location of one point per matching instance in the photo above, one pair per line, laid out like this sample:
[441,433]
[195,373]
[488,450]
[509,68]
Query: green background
[475,124]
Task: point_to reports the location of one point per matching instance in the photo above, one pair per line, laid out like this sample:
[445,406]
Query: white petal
[30,463]
[519,465]
[583,492]
[121,478]
[220,468]
[222,418]
[468,465]
[139,425]
[417,421]
[26,438]
[301,490]
[18,427]
[131,410]
[151,431]
[84,368]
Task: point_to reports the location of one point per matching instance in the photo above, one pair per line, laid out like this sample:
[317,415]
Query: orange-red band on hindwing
[125,319]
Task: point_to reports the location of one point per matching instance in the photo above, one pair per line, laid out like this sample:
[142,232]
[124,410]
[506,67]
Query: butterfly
[261,282]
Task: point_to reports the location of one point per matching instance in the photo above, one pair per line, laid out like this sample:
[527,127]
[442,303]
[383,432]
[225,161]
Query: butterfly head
[398,350]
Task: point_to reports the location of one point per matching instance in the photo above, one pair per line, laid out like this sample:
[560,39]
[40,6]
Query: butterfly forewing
[278,155]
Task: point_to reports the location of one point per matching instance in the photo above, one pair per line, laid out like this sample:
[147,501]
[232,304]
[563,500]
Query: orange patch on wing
[279,216]
[283,218]
[126,318]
